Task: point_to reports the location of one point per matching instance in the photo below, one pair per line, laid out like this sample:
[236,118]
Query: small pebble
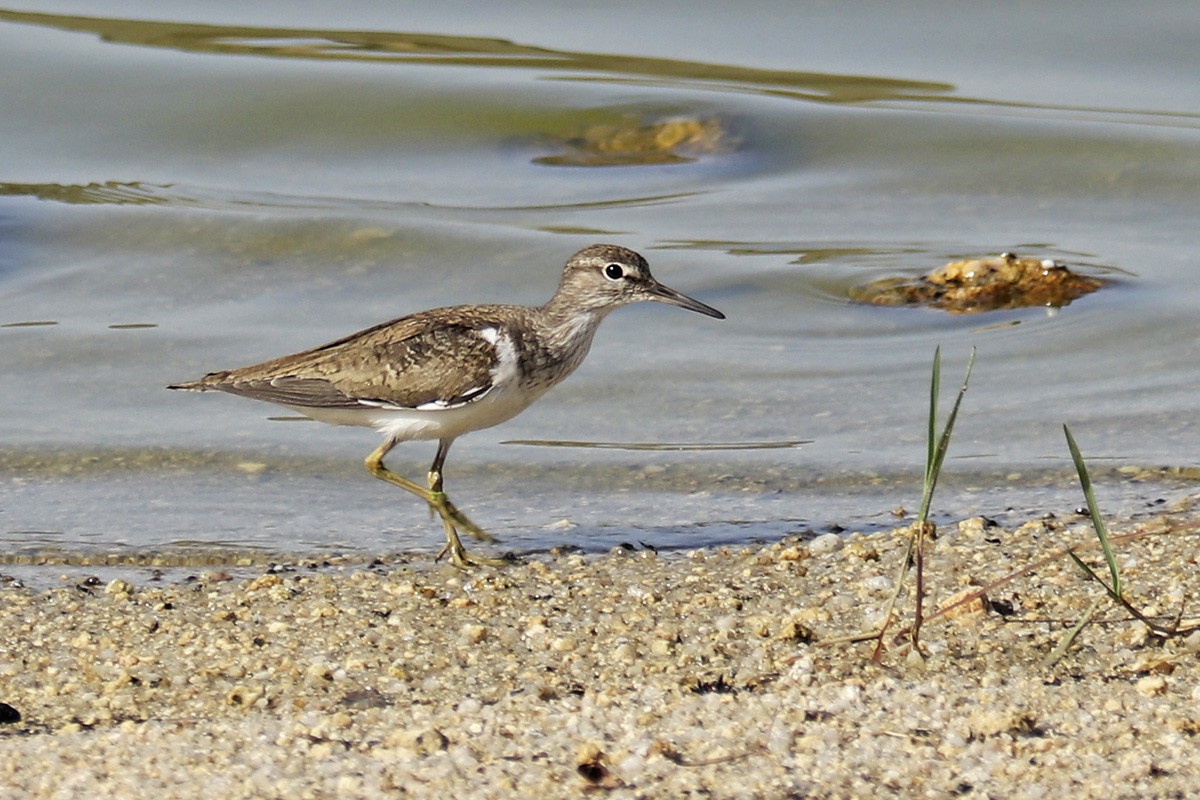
[473,633]
[118,587]
[825,544]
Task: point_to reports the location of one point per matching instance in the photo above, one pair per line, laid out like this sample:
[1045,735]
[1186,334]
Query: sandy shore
[702,674]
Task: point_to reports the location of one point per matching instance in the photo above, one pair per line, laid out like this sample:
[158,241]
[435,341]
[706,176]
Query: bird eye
[613,272]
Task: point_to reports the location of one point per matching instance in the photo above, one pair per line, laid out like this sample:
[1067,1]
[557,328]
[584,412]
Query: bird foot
[465,561]
[439,502]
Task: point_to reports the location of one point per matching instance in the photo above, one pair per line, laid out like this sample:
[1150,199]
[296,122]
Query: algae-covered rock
[975,285]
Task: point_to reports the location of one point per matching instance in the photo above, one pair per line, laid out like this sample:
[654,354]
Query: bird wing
[430,360]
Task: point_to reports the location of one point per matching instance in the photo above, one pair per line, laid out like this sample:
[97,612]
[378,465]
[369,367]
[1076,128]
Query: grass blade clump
[1114,589]
[935,454]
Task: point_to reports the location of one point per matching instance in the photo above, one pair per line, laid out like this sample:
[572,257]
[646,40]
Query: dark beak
[665,294]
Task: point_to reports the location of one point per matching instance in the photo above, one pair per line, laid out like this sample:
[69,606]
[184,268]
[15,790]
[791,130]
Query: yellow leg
[453,520]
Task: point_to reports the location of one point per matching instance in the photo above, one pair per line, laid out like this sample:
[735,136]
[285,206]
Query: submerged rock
[633,141]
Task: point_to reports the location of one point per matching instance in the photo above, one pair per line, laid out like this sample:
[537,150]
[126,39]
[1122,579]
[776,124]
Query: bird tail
[209,382]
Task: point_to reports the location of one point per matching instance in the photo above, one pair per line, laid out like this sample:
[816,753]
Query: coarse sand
[632,674]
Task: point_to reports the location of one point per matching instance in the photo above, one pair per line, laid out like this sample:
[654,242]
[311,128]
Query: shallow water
[213,187]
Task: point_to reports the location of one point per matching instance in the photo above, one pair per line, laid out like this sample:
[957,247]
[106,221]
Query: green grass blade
[935,389]
[1094,510]
[1070,636]
[1079,562]
[937,452]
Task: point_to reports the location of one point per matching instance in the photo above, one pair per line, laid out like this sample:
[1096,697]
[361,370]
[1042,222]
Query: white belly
[404,424]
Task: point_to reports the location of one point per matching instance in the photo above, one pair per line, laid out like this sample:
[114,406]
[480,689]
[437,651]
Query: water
[211,187]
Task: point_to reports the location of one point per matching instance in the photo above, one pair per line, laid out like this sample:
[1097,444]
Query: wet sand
[711,673]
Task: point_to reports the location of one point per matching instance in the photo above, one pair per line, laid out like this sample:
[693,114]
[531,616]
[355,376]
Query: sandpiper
[439,374]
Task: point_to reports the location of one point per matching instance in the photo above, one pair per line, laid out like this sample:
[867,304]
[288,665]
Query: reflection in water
[109,193]
[477,51]
[139,193]
[664,446]
[473,51]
